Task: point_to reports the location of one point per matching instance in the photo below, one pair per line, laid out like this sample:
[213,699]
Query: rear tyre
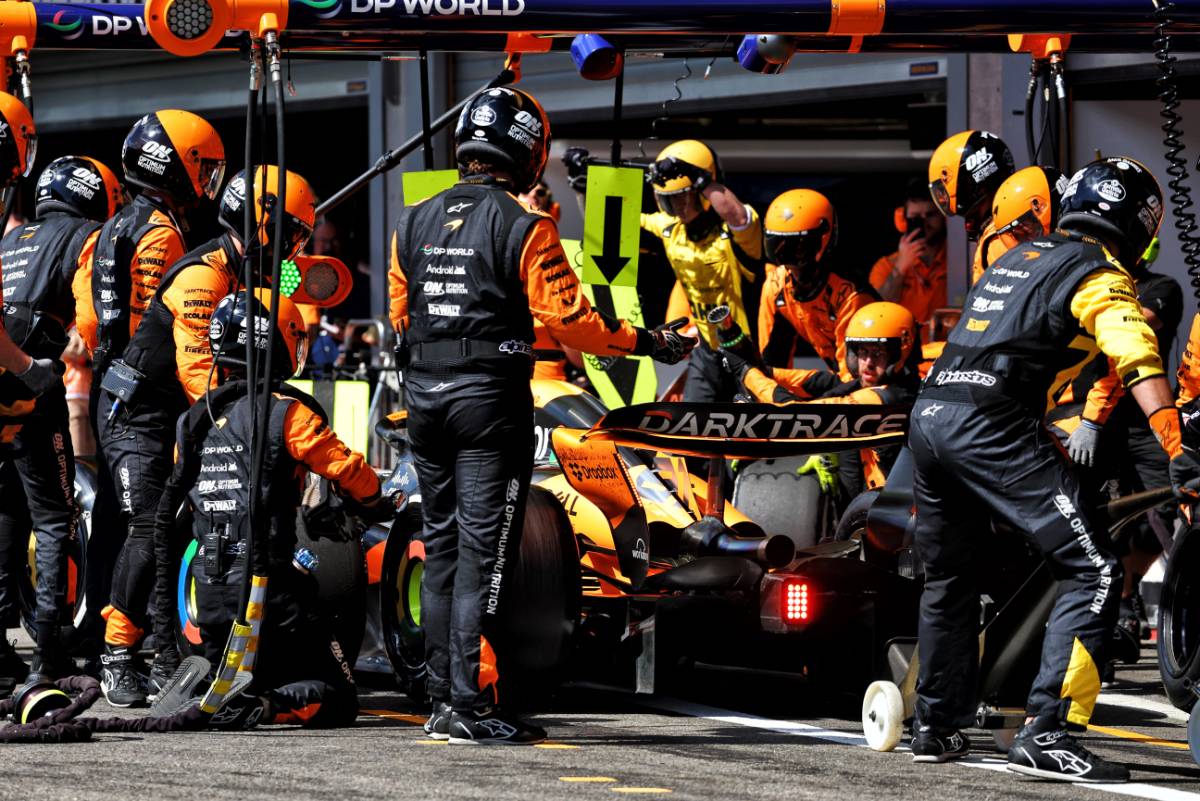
[1179,620]
[883,715]
[400,602]
[770,493]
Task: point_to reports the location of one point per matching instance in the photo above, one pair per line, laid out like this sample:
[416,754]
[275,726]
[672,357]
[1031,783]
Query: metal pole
[426,134]
[618,101]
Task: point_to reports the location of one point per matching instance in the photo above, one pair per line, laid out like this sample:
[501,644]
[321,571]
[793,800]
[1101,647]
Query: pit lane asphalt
[732,737]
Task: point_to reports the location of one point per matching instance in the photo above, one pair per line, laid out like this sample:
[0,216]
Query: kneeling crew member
[1039,313]
[74,196]
[883,354]
[166,367]
[802,297]
[471,267]
[301,676]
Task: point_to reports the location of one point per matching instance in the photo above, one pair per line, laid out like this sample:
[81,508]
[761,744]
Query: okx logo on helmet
[299,209]
[176,153]
[507,130]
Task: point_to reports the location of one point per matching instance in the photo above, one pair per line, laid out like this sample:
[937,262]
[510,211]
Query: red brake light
[797,599]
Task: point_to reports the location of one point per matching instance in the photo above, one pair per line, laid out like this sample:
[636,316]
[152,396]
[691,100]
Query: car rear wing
[752,430]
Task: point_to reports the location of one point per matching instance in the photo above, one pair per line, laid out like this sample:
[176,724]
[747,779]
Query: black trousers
[301,668]
[1145,466]
[973,462]
[472,443]
[138,448]
[707,381]
[37,487]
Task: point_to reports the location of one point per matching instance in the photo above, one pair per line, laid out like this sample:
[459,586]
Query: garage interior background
[856,127]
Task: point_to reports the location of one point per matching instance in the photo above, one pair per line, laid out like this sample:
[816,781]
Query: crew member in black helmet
[470,269]
[74,195]
[1039,314]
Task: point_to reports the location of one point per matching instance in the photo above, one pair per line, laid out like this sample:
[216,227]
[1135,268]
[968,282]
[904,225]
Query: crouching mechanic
[470,269]
[166,367]
[301,675]
[883,355]
[979,444]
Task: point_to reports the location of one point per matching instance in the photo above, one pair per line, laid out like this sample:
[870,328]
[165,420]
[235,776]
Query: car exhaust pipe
[708,536]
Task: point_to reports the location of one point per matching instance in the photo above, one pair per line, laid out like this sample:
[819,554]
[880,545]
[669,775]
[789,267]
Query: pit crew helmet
[674,196]
[176,153]
[800,227]
[1026,204]
[227,335]
[299,209]
[506,128]
[1118,201]
[882,323]
[81,186]
[964,173]
[18,140]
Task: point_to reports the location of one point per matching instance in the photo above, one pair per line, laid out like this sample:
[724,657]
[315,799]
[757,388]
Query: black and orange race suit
[1036,317]
[711,270]
[821,322]
[170,351]
[470,270]
[37,464]
[303,668]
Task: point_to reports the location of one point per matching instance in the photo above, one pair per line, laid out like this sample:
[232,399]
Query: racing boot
[938,745]
[1044,748]
[50,660]
[119,678]
[489,727]
[162,670]
[438,725]
[13,669]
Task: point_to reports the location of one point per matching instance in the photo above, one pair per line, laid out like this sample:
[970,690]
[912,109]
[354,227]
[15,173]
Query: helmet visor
[296,235]
[941,196]
[678,203]
[31,141]
[1026,227]
[211,175]
[301,352]
[797,249]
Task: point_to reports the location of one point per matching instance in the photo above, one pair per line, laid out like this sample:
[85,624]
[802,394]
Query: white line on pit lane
[718,715]
[1143,704]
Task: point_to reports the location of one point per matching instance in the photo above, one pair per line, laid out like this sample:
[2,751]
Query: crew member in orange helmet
[802,296]
[964,173]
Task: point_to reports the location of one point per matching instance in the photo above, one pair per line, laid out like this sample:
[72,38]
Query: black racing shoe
[13,668]
[938,745]
[162,671]
[438,725]
[490,727]
[1045,749]
[119,678]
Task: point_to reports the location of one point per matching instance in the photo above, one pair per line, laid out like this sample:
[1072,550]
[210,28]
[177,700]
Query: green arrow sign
[611,227]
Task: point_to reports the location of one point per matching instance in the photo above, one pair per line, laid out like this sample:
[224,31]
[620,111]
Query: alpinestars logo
[1070,763]
[458,208]
[965,377]
[497,728]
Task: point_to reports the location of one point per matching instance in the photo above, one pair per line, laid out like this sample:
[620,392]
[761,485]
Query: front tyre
[1179,620]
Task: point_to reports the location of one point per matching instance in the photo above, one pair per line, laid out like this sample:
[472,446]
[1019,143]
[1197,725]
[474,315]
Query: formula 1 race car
[630,566]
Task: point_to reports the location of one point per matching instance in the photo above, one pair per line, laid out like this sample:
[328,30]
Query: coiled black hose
[1181,192]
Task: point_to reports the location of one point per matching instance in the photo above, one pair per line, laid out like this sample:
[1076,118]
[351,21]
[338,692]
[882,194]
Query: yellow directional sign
[611,225]
[418,186]
[623,380]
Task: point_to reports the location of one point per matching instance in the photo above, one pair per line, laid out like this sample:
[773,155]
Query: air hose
[1181,192]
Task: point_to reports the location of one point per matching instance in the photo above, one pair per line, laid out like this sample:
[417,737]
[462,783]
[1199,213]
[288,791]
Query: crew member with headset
[915,275]
[470,269]
[802,297]
[1037,315]
[964,173]
[74,195]
[302,675]
[168,365]
[713,242]
[177,160]
[883,354]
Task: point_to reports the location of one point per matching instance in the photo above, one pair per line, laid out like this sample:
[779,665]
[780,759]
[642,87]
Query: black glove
[1185,476]
[671,168]
[576,162]
[41,374]
[380,510]
[735,365]
[665,344]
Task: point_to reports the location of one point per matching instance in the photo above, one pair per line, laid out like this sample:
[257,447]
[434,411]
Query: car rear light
[797,601]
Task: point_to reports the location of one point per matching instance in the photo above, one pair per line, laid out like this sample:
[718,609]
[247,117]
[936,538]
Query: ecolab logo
[442,8]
